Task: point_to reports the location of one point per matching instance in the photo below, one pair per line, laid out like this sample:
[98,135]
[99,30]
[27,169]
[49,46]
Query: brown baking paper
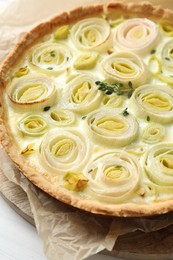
[68,233]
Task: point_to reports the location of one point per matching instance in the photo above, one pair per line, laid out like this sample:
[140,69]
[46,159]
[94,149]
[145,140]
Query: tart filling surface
[87,108]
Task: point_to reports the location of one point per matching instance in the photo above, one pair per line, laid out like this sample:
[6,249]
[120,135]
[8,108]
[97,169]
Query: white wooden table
[19,239]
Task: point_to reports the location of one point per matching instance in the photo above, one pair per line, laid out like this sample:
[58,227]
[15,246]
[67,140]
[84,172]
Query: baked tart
[87,108]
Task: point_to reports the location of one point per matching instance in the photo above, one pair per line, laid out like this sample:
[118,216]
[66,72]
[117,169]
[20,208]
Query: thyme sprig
[117,88]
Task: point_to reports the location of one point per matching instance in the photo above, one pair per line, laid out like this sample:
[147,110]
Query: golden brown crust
[143,9]
[128,9]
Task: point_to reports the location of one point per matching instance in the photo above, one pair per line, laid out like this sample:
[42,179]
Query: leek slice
[111,128]
[124,67]
[28,150]
[32,92]
[82,95]
[167,28]
[86,61]
[153,133]
[21,72]
[50,58]
[62,117]
[33,125]
[113,23]
[113,176]
[155,101]
[91,34]
[62,33]
[158,165]
[139,35]
[62,151]
[155,65]
[75,181]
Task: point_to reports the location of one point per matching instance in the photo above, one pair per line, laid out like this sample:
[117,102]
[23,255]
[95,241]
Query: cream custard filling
[107,140]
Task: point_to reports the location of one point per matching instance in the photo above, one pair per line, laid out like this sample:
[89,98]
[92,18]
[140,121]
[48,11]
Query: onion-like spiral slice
[114,176]
[82,95]
[33,125]
[111,128]
[91,34]
[153,133]
[31,92]
[158,165]
[124,67]
[50,58]
[139,35]
[153,101]
[62,151]
[62,117]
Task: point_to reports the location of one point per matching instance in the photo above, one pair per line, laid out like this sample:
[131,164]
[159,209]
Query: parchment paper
[68,233]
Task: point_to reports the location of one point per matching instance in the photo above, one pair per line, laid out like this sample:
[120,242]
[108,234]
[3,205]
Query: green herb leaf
[46,108]
[49,68]
[109,92]
[153,52]
[90,171]
[118,166]
[83,117]
[148,118]
[129,94]
[117,88]
[130,84]
[166,58]
[53,53]
[125,112]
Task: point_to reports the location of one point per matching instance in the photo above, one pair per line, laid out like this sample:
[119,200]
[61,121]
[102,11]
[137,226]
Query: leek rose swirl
[112,129]
[139,35]
[91,34]
[153,101]
[114,176]
[62,151]
[158,163]
[82,95]
[62,117]
[33,125]
[153,133]
[124,67]
[34,91]
[50,58]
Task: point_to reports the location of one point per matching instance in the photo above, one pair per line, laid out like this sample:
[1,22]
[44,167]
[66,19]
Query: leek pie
[87,108]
